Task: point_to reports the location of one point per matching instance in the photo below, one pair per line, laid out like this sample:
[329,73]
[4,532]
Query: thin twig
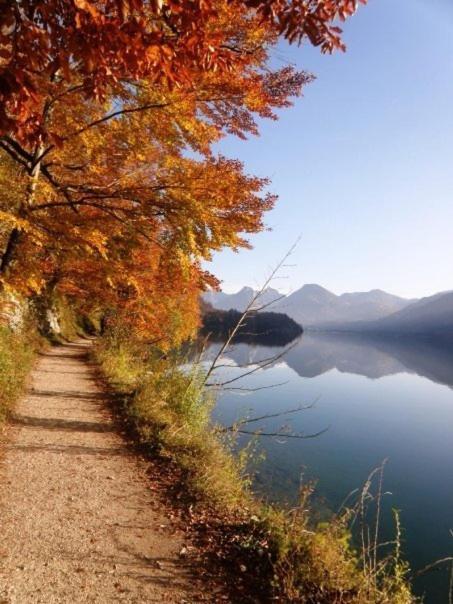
[249,307]
[432,566]
[300,436]
[269,416]
[260,365]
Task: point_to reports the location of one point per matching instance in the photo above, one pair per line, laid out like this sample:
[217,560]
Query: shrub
[171,410]
[17,352]
[292,560]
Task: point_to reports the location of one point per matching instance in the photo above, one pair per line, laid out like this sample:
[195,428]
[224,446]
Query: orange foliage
[94,44]
[111,191]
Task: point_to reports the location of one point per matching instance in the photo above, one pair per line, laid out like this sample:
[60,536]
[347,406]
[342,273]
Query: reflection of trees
[372,357]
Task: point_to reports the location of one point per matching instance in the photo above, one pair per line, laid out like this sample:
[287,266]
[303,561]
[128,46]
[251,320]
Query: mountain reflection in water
[380,399]
[316,353]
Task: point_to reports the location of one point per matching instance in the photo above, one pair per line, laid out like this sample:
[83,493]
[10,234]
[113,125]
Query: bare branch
[432,566]
[256,389]
[110,116]
[260,308]
[259,366]
[251,420]
[300,436]
[5,144]
[248,309]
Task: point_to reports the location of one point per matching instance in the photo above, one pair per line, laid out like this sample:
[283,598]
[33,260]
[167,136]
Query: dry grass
[171,410]
[17,353]
[293,561]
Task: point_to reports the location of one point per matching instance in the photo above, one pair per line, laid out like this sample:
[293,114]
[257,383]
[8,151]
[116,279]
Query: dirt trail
[78,522]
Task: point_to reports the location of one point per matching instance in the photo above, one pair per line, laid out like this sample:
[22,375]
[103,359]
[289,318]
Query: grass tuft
[284,555]
[171,410]
[17,353]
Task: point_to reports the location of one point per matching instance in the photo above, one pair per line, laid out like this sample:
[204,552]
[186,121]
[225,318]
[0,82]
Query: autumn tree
[112,192]
[116,209]
[94,44]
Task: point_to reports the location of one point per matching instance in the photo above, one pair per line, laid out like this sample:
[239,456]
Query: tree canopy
[94,44]
[111,192]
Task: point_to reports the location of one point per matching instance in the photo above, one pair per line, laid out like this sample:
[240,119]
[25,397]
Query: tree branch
[116,114]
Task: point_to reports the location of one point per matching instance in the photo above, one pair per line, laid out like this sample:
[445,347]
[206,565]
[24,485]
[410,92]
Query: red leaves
[307,18]
[171,42]
[115,93]
[88,7]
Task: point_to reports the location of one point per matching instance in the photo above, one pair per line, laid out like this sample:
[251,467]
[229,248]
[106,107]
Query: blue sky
[363,164]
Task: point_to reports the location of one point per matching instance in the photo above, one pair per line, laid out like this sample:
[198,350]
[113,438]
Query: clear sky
[363,164]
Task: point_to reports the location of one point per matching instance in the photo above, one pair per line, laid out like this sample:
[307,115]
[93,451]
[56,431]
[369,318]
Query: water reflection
[316,353]
[380,398]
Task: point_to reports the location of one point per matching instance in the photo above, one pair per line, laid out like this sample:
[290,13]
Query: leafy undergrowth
[59,320]
[272,554]
[17,353]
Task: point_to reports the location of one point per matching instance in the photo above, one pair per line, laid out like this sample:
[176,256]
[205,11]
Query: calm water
[379,400]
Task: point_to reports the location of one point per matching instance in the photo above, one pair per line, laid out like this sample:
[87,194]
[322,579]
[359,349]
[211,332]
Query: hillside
[313,305]
[241,299]
[431,315]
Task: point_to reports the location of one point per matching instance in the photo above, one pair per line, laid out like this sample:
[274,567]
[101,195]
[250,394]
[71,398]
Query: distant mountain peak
[241,299]
[314,287]
[430,315]
[314,305]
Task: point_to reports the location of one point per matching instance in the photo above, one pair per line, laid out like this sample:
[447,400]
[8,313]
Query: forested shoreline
[274,329]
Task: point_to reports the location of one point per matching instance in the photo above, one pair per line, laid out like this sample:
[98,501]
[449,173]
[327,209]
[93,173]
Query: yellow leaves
[127,207]
[13,221]
[88,7]
[35,283]
[254,99]
[32,284]
[96,241]
[153,54]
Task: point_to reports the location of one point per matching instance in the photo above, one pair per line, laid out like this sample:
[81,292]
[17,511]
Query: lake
[376,400]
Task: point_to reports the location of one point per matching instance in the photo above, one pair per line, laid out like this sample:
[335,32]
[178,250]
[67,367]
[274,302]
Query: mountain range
[241,299]
[431,315]
[313,305]
[375,311]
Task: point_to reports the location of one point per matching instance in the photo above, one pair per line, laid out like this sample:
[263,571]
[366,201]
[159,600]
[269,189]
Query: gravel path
[77,518]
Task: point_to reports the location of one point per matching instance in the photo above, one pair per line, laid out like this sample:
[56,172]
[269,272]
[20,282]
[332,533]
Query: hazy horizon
[285,291]
[361,164]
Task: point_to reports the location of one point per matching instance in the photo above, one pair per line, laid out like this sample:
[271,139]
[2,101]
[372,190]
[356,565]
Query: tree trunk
[8,254]
[16,234]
